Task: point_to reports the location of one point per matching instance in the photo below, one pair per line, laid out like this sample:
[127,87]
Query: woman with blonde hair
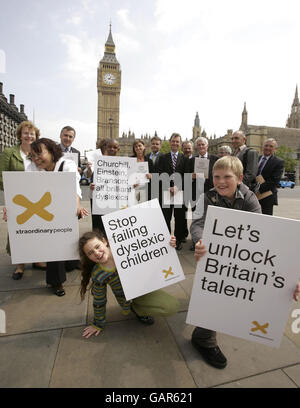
[16,158]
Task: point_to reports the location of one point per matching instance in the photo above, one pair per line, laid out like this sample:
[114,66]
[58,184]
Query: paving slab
[39,309]
[187,284]
[288,208]
[187,264]
[273,379]
[26,361]
[245,358]
[126,354]
[32,278]
[293,373]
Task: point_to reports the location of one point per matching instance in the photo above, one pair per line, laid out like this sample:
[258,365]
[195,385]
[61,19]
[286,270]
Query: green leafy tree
[286,153]
[165,147]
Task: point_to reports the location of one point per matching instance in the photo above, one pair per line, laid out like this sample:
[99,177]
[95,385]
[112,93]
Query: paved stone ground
[43,344]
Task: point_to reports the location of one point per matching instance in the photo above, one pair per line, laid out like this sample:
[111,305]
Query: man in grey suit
[67,136]
[248,156]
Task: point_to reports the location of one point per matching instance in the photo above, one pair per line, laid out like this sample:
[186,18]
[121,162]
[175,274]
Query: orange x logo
[168,272]
[260,327]
[33,208]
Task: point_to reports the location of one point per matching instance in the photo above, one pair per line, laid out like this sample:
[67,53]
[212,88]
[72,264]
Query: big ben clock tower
[109,88]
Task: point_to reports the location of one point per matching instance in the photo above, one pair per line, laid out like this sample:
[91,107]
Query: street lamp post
[110,120]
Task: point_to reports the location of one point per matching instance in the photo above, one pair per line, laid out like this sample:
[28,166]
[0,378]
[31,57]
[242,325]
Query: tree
[165,147]
[286,153]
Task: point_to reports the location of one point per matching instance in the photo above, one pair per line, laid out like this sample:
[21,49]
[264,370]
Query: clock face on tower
[109,78]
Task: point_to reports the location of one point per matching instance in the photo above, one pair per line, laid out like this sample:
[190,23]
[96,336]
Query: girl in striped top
[98,266]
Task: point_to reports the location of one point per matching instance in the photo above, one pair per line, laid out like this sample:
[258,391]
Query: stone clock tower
[109,88]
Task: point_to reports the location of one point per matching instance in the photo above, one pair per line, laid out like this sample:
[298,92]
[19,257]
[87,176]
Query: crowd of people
[233,179]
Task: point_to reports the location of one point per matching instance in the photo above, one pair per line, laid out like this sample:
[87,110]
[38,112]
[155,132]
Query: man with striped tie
[175,164]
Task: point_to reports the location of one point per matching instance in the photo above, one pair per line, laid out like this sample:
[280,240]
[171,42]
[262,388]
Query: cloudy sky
[177,58]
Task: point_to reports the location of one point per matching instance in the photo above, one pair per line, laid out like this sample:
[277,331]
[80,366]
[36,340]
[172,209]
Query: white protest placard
[71,156]
[140,243]
[244,284]
[41,216]
[112,189]
[201,167]
[92,156]
[141,169]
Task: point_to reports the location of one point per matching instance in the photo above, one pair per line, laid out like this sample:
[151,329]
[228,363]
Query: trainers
[212,355]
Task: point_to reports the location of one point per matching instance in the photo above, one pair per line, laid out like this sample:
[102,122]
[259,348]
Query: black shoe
[58,290]
[17,275]
[143,319]
[192,248]
[179,246]
[212,355]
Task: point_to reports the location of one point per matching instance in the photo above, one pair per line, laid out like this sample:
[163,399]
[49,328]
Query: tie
[153,158]
[174,159]
[66,150]
[261,165]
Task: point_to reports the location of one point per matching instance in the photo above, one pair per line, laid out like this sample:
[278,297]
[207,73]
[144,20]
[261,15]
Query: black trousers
[267,205]
[55,273]
[179,216]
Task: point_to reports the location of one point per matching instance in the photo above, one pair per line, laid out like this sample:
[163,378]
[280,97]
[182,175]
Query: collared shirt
[239,149]
[265,158]
[65,149]
[205,156]
[153,156]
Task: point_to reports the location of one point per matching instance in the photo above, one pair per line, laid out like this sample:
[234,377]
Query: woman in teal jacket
[15,158]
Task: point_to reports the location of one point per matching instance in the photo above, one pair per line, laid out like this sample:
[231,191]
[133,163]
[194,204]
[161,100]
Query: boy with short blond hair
[231,193]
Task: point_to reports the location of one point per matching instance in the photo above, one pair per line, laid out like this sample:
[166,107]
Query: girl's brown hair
[86,265]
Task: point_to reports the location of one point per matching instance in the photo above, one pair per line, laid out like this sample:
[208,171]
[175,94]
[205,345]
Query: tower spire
[109,51]
[244,123]
[197,120]
[296,99]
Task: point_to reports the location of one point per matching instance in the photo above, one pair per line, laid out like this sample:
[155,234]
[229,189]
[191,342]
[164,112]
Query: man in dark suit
[152,159]
[175,165]
[201,146]
[270,170]
[67,136]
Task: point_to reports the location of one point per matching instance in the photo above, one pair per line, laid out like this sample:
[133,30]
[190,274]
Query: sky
[177,58]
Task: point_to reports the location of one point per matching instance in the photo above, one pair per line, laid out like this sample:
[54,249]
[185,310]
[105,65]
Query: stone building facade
[10,118]
[256,135]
